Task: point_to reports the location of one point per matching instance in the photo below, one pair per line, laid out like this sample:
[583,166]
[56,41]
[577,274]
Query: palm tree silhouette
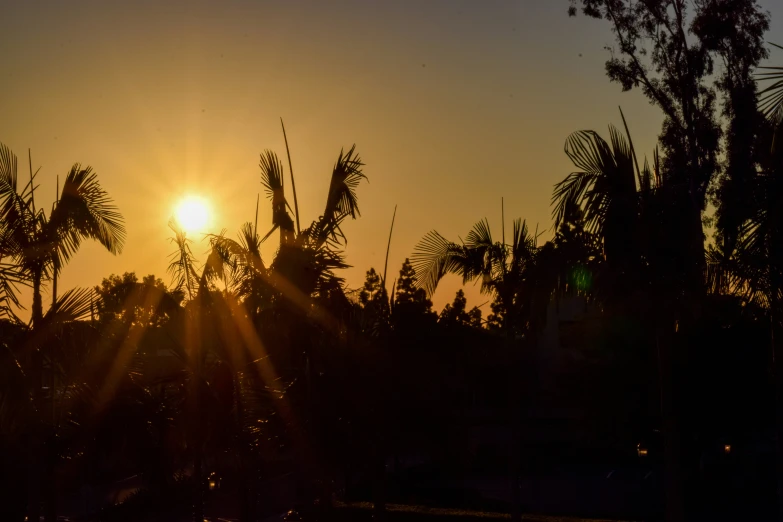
[39,245]
[613,193]
[303,268]
[506,271]
[307,258]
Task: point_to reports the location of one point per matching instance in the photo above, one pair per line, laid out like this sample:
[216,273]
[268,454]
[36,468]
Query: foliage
[670,54]
[40,245]
[412,308]
[147,303]
[455,314]
[505,270]
[771,97]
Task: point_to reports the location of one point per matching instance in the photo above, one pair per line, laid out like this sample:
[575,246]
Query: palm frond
[434,257]
[346,176]
[10,278]
[245,252]
[272,177]
[250,241]
[7,172]
[523,248]
[84,210]
[771,97]
[588,151]
[218,266]
[605,188]
[73,305]
[272,181]
[480,236]
[569,193]
[621,155]
[326,230]
[17,219]
[480,257]
[182,266]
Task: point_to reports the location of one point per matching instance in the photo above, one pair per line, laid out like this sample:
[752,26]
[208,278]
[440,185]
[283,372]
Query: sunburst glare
[192,214]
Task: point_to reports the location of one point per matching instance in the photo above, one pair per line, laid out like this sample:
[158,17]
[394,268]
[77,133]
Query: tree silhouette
[145,303]
[456,314]
[506,271]
[412,309]
[670,53]
[39,245]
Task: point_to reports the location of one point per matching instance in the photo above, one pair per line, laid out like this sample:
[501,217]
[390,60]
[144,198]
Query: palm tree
[248,276]
[609,188]
[307,258]
[303,273]
[195,341]
[218,341]
[39,245]
[622,204]
[42,414]
[755,270]
[300,280]
[505,271]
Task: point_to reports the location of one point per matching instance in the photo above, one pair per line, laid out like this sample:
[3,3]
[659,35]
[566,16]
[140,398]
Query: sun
[192,214]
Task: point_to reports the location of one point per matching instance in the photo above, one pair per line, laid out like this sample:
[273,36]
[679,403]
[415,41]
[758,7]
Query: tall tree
[605,190]
[39,245]
[756,270]
[304,274]
[249,277]
[374,301]
[306,260]
[411,309]
[733,31]
[146,303]
[670,53]
[506,271]
[457,313]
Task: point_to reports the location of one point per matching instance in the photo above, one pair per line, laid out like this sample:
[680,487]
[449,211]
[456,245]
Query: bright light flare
[192,214]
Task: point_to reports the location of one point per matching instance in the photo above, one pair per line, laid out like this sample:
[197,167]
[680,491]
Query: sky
[452,105]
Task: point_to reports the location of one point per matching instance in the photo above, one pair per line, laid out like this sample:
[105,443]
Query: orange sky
[452,105]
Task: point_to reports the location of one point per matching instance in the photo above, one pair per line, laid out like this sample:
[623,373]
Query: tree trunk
[673,483]
[35,441]
[50,480]
[777,354]
[198,489]
[37,312]
[514,425]
[50,464]
[777,362]
[379,481]
[245,511]
[33,479]
[54,285]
